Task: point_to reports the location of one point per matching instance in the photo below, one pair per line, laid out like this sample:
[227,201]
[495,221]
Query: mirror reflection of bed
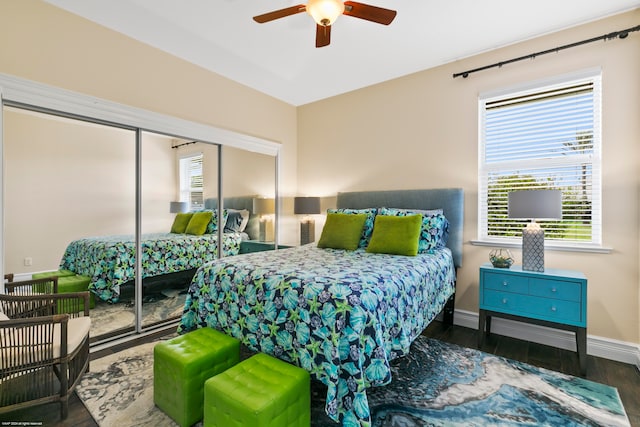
[164,295]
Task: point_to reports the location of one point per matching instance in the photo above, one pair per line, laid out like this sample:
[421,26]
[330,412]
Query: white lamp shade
[535,204]
[325,12]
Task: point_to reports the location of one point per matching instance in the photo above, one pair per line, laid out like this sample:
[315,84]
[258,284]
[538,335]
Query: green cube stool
[59,273]
[68,281]
[76,283]
[260,391]
[182,364]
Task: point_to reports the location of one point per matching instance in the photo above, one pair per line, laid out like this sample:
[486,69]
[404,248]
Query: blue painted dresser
[553,298]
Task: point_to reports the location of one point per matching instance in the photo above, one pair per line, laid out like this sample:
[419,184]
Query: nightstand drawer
[554,310]
[503,301]
[556,289]
[535,307]
[506,282]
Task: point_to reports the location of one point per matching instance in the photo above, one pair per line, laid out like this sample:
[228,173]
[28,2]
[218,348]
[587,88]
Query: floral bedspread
[110,260]
[341,315]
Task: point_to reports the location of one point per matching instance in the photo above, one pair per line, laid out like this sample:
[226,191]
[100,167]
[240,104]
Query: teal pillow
[396,235]
[198,223]
[342,231]
[180,222]
[212,226]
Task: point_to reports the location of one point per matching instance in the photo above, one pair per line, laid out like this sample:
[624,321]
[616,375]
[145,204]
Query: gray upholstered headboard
[242,202]
[450,200]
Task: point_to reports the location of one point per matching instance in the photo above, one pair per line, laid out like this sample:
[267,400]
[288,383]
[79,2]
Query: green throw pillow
[396,235]
[198,223]
[342,231]
[180,222]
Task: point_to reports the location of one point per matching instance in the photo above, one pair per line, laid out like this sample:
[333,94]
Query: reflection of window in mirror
[191,181]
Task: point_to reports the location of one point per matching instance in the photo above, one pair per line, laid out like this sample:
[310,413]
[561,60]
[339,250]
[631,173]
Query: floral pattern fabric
[341,315]
[110,260]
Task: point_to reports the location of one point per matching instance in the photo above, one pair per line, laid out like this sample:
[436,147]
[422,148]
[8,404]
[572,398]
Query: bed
[110,260]
[341,315]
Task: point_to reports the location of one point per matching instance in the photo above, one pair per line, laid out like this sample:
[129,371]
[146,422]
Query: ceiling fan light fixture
[325,12]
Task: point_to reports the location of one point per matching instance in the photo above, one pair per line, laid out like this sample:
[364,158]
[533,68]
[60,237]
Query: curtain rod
[620,34]
[184,143]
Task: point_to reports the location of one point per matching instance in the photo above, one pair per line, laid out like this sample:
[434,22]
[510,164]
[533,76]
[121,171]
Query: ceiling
[279,58]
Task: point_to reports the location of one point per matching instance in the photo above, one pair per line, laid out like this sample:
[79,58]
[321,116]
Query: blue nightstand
[553,298]
[248,246]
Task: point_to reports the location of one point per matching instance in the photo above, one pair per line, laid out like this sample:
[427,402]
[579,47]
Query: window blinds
[548,138]
[192,182]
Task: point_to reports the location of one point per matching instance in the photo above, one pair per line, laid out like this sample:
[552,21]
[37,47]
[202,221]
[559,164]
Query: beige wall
[61,192]
[420,131]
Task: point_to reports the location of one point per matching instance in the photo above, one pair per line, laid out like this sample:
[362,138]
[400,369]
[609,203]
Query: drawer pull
[504,300]
[554,290]
[553,309]
[505,283]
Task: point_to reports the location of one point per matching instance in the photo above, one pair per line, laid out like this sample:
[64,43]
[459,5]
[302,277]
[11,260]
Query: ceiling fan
[325,12]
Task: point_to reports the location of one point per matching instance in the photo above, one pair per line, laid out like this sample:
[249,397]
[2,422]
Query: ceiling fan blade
[276,14]
[323,35]
[369,13]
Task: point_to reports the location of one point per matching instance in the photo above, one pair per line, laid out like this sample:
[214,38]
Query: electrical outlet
[28,261]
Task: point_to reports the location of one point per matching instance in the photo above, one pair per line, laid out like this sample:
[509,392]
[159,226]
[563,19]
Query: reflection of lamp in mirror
[264,207]
[534,204]
[177,207]
[307,206]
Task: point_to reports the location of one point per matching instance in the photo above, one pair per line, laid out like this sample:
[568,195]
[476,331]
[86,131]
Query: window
[191,181]
[547,137]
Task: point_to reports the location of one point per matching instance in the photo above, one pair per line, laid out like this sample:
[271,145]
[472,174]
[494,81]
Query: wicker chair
[45,285]
[43,354]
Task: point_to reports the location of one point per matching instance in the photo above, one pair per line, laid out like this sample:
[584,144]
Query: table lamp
[264,207]
[307,206]
[532,205]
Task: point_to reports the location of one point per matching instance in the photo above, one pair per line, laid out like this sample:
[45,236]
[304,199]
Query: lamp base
[307,231]
[265,230]
[533,248]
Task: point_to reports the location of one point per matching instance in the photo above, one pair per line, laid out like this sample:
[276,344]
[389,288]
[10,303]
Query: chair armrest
[43,285]
[24,306]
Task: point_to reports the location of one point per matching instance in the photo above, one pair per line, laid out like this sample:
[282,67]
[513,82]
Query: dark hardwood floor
[624,377]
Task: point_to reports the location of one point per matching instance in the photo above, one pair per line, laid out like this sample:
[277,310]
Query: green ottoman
[76,283]
[181,365]
[260,391]
[59,273]
[68,281]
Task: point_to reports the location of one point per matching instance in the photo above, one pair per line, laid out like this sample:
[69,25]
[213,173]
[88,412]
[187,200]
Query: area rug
[437,384]
[108,317]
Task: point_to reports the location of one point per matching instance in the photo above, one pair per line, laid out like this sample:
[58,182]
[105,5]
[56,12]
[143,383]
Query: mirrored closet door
[249,186]
[96,202]
[69,186]
[177,177]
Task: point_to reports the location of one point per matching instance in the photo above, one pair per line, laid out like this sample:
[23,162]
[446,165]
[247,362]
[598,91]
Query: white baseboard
[607,348]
